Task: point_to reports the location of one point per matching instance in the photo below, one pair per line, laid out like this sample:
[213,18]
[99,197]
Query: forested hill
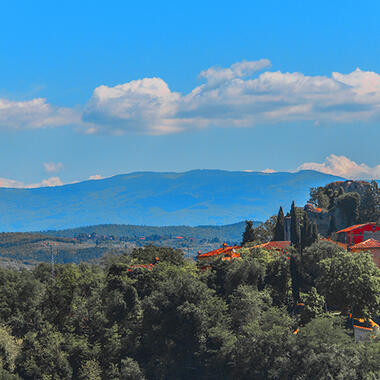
[230,232]
[198,197]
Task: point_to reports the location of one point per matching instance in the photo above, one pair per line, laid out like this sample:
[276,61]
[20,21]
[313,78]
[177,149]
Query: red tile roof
[356,226]
[220,251]
[367,244]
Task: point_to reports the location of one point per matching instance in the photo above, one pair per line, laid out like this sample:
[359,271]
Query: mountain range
[197,197]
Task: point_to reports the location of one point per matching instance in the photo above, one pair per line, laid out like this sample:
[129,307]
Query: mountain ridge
[195,197]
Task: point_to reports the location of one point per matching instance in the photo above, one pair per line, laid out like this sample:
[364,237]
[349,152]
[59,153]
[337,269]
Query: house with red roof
[226,252]
[370,245]
[358,233]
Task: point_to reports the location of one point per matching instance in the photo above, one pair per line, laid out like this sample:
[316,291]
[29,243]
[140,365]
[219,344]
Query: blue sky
[238,86]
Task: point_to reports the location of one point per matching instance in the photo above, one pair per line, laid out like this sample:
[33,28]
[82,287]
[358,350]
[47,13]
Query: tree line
[152,314]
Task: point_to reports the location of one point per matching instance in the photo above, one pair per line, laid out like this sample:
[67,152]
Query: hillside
[19,249]
[230,232]
[198,197]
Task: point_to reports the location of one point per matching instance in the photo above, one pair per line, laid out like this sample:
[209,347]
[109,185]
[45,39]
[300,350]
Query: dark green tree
[295,232]
[323,350]
[280,225]
[369,209]
[349,203]
[249,233]
[350,282]
[306,232]
[314,233]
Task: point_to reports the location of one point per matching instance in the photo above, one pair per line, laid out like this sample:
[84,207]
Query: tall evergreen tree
[306,232]
[314,233]
[280,225]
[249,233]
[295,232]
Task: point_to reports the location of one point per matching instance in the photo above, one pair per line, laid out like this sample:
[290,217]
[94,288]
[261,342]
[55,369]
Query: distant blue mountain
[146,198]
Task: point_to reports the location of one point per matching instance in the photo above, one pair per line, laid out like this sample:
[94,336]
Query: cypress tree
[314,233]
[295,232]
[249,233]
[280,225]
[306,232]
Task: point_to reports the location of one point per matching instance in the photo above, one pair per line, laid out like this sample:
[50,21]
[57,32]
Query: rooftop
[367,244]
[220,251]
[356,226]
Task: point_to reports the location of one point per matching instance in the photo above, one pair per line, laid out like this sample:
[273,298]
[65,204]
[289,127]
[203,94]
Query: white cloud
[145,105]
[52,181]
[234,96]
[53,167]
[216,75]
[33,114]
[269,171]
[343,167]
[95,177]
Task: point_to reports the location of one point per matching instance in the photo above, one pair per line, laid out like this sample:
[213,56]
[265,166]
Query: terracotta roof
[274,245]
[356,226]
[220,251]
[367,244]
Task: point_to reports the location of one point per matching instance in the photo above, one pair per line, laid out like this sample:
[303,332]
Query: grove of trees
[126,319]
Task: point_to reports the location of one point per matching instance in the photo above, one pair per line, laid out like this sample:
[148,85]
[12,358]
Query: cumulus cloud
[269,171]
[216,75]
[242,95]
[145,105]
[49,182]
[33,114]
[53,167]
[234,96]
[343,167]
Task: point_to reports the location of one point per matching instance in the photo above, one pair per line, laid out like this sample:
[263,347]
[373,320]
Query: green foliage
[332,226]
[323,350]
[90,370]
[130,370]
[278,234]
[357,201]
[9,349]
[295,231]
[314,306]
[349,205]
[350,282]
[171,320]
[264,232]
[148,254]
[249,233]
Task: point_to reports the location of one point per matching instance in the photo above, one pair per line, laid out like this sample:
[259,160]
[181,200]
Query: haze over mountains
[197,197]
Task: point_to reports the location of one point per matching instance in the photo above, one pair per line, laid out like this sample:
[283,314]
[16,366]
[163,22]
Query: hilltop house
[227,252]
[359,233]
[370,245]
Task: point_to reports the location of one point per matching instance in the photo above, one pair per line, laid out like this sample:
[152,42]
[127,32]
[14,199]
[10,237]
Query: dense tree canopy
[152,314]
